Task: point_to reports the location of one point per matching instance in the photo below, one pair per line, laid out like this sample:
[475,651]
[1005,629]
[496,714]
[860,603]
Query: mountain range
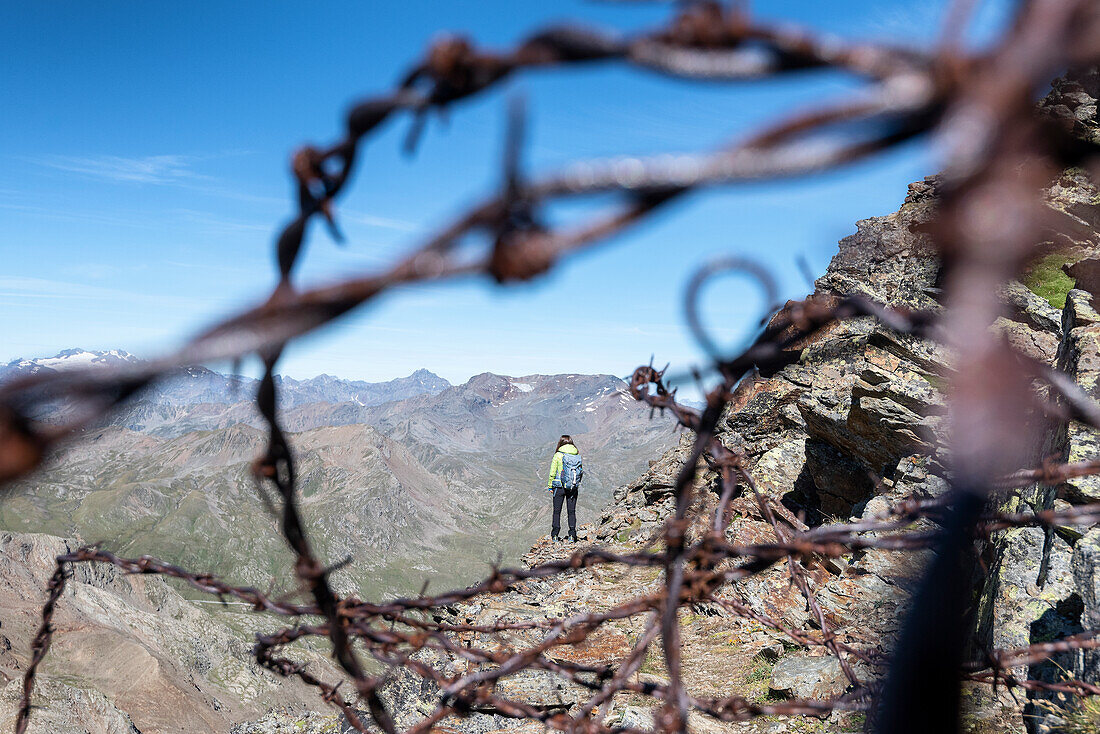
[412,479]
[196,385]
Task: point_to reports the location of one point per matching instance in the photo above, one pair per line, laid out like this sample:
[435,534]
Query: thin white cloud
[211,224]
[215,267]
[155,169]
[179,171]
[22,288]
[373,220]
[68,214]
[909,23]
[92,271]
[25,287]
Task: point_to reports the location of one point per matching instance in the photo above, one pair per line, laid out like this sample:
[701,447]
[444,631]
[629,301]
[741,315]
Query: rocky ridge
[199,385]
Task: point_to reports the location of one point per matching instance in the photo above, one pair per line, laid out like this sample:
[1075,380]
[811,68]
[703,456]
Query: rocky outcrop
[1072,101]
[886,259]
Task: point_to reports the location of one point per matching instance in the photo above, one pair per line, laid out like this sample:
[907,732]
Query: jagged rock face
[886,258]
[129,654]
[1032,311]
[1042,585]
[1086,576]
[1072,101]
[1079,357]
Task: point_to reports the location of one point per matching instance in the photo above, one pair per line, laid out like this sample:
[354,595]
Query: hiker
[565,479]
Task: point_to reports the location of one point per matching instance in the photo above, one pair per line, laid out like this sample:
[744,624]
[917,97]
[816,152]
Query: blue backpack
[571,471]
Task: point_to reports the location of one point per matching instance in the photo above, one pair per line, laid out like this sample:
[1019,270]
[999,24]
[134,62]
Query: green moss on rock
[1047,280]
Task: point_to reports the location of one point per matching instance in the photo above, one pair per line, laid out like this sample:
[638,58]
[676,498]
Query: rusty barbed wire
[1000,154]
[40,645]
[521,247]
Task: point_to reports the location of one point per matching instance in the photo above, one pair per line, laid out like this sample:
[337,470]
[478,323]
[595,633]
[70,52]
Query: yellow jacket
[555,465]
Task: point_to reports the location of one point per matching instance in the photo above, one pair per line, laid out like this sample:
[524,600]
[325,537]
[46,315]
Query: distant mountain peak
[426,375]
[75,357]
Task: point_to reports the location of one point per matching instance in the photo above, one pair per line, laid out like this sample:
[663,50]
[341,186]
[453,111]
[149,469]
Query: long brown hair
[564,440]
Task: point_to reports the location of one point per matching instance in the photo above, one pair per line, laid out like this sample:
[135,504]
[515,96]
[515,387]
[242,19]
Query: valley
[414,480]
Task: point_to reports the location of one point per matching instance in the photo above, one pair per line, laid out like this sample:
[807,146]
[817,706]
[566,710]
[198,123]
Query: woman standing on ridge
[565,481]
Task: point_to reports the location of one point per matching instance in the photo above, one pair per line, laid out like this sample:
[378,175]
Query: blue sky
[144,154]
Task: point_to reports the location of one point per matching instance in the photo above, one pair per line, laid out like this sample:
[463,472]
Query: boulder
[880,417]
[797,676]
[540,689]
[777,470]
[1040,345]
[630,717]
[1032,310]
[894,414]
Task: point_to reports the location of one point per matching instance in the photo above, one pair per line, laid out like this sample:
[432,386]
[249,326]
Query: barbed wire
[1000,154]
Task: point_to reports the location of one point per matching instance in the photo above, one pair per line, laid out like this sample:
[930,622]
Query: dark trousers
[569,497]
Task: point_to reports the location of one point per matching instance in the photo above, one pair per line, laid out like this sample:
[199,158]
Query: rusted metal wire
[1000,155]
[41,644]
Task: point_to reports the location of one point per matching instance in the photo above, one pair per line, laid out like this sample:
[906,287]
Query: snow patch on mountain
[70,358]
